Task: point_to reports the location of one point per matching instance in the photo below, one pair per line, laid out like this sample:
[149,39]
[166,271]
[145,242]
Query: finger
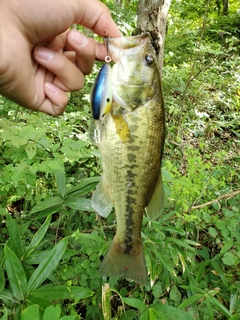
[84,48]
[94,15]
[69,76]
[55,102]
[56,43]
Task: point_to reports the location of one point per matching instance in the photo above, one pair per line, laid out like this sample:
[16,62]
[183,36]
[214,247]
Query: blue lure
[101,96]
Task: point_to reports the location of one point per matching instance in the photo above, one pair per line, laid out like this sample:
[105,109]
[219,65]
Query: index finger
[94,15]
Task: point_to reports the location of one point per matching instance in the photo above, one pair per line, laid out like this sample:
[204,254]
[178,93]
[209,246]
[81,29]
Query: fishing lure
[101,96]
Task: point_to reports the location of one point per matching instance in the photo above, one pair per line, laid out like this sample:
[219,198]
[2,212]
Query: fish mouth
[132,44]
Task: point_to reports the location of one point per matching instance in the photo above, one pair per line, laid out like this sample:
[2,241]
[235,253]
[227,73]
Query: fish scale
[131,147]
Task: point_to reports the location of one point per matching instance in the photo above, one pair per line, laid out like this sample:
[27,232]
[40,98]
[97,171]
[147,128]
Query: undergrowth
[52,243]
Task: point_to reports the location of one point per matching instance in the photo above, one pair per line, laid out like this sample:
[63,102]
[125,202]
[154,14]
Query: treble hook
[97,134]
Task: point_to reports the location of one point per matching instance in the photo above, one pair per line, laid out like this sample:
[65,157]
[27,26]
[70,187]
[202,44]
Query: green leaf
[57,292]
[31,150]
[68,318]
[79,204]
[38,236]
[235,317]
[226,247]
[15,241]
[52,313]
[171,312]
[42,303]
[183,243]
[46,267]
[191,300]
[157,290]
[229,259]
[210,309]
[233,299]
[5,315]
[175,295]
[2,280]
[83,187]
[217,267]
[16,274]
[136,303]
[60,178]
[213,232]
[31,313]
[168,264]
[156,314]
[173,230]
[80,293]
[47,204]
[144,316]
[49,211]
[201,269]
[7,295]
[38,257]
[219,306]
[106,301]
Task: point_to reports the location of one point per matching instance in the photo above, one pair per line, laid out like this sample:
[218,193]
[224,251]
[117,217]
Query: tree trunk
[152,17]
[225,8]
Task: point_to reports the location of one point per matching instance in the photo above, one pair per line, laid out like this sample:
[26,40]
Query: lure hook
[97,134]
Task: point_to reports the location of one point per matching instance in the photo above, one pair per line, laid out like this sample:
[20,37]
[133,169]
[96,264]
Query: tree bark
[225,8]
[152,17]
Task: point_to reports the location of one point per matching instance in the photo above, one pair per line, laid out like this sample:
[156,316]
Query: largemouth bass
[131,145]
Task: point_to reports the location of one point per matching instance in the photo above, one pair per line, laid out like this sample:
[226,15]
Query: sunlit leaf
[31,313]
[136,303]
[52,313]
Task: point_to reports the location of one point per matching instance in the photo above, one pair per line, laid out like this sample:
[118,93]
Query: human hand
[39,60]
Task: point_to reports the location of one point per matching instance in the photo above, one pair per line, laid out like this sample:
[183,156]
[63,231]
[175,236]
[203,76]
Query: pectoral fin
[155,206]
[101,199]
[121,126]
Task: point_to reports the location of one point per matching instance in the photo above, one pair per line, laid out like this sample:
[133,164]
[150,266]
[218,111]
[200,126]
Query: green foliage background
[51,241]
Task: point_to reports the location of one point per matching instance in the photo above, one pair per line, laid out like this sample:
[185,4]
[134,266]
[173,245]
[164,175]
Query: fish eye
[149,60]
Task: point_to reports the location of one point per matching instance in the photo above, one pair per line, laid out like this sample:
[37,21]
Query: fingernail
[44,54]
[79,38]
[51,88]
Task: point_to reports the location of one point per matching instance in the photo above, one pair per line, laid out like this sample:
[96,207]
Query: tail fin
[131,267]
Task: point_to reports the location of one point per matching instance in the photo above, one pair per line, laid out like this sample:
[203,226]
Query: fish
[131,144]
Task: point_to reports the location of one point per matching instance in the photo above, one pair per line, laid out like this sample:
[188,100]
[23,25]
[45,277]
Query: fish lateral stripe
[101,95]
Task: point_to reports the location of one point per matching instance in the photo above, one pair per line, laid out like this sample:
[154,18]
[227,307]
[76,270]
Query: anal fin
[101,199]
[155,206]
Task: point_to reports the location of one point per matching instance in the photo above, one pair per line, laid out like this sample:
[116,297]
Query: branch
[227,195]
